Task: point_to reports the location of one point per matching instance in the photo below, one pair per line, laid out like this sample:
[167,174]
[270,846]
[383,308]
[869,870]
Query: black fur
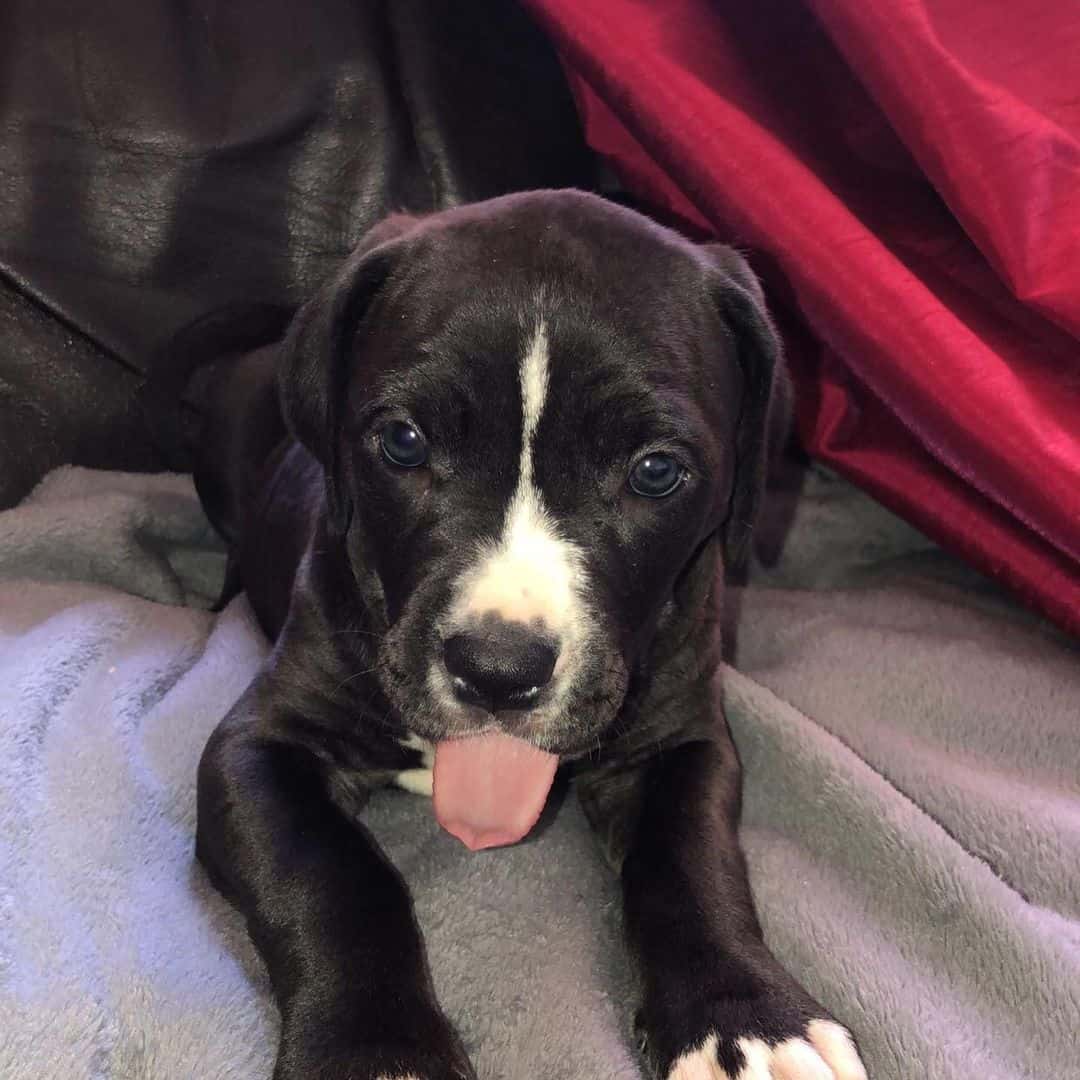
[348,562]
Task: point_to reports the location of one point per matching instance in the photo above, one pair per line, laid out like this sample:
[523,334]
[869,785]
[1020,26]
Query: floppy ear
[318,351]
[764,411]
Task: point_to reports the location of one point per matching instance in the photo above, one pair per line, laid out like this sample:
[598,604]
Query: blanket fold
[911,813]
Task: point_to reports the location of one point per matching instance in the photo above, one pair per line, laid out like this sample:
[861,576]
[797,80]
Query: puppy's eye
[655,476]
[403,444]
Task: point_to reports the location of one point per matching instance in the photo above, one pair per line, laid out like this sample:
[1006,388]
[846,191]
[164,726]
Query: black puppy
[480,496]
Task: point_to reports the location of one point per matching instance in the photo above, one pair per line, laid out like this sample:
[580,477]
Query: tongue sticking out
[490,789]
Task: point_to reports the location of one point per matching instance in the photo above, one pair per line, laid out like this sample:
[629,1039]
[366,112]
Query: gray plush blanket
[911,742]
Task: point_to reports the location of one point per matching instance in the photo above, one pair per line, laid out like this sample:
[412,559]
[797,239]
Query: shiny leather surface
[159,159]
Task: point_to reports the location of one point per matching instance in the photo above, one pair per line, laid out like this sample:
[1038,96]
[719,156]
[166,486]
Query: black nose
[502,666]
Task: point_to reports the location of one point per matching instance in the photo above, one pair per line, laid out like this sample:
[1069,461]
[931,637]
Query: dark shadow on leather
[161,161]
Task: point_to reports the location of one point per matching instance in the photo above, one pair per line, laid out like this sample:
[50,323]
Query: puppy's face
[530,419]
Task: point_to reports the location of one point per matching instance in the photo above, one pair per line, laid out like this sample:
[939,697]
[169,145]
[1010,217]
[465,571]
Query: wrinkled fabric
[159,160]
[908,179]
[908,737]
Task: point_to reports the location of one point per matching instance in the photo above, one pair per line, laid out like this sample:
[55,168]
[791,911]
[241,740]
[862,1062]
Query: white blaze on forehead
[530,572]
[534,388]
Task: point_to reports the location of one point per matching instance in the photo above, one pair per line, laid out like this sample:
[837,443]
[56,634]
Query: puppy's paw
[780,1033]
[320,1056]
[399,1076]
[443,1071]
[360,1067]
[825,1051]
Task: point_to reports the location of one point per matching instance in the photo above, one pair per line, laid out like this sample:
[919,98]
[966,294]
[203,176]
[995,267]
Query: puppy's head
[534,414]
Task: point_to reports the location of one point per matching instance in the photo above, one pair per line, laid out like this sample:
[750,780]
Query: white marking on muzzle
[531,573]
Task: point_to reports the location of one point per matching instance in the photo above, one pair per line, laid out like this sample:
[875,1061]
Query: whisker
[355,675]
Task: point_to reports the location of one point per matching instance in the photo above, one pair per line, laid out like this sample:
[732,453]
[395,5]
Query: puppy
[480,497]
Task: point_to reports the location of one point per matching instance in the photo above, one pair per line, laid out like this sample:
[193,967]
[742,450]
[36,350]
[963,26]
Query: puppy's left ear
[320,348]
[764,411]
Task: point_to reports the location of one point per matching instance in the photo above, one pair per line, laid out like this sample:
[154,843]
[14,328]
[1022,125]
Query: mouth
[531,714]
[512,702]
[490,788]
[496,755]
[559,719]
[493,770]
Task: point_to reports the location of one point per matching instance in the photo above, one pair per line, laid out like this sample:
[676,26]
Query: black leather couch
[160,158]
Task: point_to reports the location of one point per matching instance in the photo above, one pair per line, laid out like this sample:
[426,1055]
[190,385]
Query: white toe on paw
[699,1064]
[837,1047]
[827,1053]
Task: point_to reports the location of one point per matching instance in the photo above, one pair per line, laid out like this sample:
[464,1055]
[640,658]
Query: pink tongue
[490,789]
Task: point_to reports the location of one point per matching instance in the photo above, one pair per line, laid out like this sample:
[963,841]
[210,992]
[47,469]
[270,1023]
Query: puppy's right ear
[765,409]
[313,371]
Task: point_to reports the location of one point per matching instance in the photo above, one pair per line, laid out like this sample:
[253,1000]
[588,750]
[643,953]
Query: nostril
[504,667]
[459,657]
[467,692]
[532,666]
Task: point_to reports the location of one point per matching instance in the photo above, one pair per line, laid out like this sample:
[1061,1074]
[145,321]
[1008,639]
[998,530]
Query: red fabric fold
[907,179]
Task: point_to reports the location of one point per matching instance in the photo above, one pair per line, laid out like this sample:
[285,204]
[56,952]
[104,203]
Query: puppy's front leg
[330,916]
[716,1004]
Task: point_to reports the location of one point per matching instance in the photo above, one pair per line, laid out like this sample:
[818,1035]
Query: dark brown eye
[403,444]
[655,476]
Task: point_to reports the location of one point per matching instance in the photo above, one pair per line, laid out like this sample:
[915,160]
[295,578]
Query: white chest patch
[530,573]
[419,781]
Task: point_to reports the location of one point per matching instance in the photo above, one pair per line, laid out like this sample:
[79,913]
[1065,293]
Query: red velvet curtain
[906,178]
